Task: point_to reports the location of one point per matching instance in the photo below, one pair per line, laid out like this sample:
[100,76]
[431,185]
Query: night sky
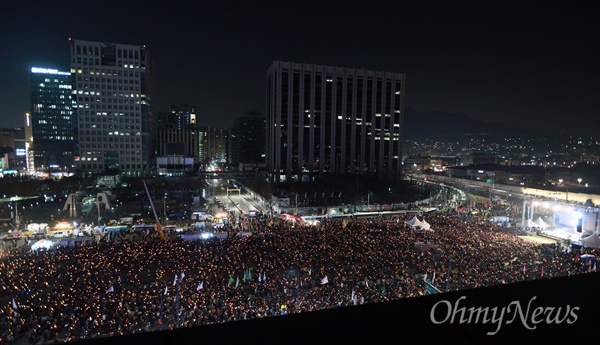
[532,64]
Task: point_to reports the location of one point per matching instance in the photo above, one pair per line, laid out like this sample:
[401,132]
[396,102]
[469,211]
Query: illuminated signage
[20,152]
[48,71]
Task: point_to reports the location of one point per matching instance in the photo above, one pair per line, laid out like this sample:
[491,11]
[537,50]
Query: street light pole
[165,209]
[98,206]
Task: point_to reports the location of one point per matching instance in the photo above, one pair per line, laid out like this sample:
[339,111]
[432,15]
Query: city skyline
[517,63]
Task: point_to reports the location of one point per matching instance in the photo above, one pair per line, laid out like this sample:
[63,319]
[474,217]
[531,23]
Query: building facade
[247,140]
[325,120]
[113,86]
[184,116]
[52,120]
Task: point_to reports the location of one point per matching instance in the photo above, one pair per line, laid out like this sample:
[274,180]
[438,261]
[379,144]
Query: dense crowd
[124,287]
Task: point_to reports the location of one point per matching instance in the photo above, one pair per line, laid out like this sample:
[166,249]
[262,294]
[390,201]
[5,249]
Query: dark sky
[532,64]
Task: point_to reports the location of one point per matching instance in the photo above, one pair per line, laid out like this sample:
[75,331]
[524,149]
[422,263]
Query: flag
[339,196]
[309,271]
[230,280]
[594,266]
[166,289]
[237,281]
[264,277]
[524,270]
[332,194]
[14,304]
[425,277]
[353,297]
[324,280]
[182,275]
[542,272]
[366,282]
[244,277]
[200,286]
[259,278]
[175,280]
[433,279]
[110,289]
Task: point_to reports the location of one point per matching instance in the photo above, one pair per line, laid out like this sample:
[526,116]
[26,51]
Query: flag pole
[177,302]
[448,276]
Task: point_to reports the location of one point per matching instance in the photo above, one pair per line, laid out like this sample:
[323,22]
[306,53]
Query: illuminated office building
[52,122]
[113,89]
[325,120]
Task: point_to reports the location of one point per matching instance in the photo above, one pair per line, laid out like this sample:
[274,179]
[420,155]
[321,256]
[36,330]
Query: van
[143,228]
[117,228]
[60,234]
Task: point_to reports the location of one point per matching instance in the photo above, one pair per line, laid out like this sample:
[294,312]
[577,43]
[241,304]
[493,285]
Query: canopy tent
[42,244]
[532,224]
[540,222]
[425,225]
[415,222]
[592,241]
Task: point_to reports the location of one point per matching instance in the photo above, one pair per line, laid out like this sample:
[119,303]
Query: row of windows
[121,127]
[105,138]
[106,72]
[125,99]
[101,166]
[95,51]
[94,116]
[107,87]
[109,80]
[96,62]
[102,146]
[133,154]
[108,107]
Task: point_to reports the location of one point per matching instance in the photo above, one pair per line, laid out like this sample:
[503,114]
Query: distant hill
[431,124]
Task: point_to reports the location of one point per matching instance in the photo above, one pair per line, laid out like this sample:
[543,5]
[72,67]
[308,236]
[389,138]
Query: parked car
[60,234]
[37,235]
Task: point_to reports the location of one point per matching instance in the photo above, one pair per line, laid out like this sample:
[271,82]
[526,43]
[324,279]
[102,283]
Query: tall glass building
[113,89]
[333,120]
[52,120]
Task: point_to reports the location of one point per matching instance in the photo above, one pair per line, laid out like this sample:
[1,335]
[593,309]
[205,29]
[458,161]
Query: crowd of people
[129,286]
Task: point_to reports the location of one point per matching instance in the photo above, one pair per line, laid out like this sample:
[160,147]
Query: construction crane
[158,226]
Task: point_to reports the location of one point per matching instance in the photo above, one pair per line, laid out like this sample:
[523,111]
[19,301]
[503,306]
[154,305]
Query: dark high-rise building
[113,88]
[333,120]
[184,116]
[52,120]
[247,140]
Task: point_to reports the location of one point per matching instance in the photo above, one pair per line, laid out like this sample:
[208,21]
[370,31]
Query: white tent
[532,224]
[540,222]
[592,241]
[415,222]
[42,244]
[425,225]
